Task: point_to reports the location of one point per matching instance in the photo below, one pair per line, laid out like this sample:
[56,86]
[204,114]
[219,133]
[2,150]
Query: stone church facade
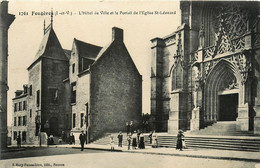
[208,69]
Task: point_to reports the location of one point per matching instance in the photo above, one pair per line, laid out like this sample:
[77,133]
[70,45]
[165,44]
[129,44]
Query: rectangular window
[20,106]
[15,135]
[73,68]
[19,121]
[73,92]
[14,121]
[74,121]
[23,136]
[24,105]
[81,119]
[86,115]
[53,95]
[24,120]
[15,107]
[30,89]
[30,113]
[38,98]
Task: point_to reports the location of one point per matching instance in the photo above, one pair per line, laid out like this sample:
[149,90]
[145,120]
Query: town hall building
[90,88]
[208,70]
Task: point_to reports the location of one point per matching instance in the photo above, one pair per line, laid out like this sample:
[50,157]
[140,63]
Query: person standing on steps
[82,138]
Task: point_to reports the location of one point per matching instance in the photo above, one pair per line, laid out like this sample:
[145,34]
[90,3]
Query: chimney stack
[117,34]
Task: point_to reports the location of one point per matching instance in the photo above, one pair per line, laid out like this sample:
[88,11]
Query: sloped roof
[50,47]
[67,53]
[104,49]
[87,50]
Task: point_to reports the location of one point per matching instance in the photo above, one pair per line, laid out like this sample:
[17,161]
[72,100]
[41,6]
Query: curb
[180,155]
[199,156]
[102,149]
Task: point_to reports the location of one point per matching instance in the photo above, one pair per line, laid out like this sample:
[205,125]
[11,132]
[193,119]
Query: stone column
[195,116]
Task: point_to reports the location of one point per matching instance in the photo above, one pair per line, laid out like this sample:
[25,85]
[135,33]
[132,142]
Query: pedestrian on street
[82,138]
[138,137]
[154,140]
[129,141]
[179,140]
[134,141]
[141,142]
[18,139]
[112,143]
[120,139]
[150,136]
[72,138]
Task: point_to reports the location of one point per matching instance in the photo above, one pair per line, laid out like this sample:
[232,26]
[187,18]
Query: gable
[50,47]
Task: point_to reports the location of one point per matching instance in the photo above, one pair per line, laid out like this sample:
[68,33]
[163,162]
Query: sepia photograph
[129,84]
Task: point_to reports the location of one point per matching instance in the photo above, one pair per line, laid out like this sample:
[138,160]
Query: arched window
[177,77]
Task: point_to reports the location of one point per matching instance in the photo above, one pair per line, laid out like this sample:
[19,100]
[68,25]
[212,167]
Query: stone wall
[53,74]
[34,81]
[116,91]
[82,104]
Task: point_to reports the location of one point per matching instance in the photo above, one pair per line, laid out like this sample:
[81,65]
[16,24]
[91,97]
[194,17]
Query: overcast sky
[26,32]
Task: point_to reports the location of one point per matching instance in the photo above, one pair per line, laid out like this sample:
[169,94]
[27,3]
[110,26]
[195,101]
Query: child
[112,143]
[129,141]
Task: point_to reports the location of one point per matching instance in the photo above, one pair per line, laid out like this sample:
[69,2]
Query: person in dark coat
[141,142]
[134,140]
[120,139]
[82,138]
[138,137]
[72,139]
[179,140]
[18,139]
[150,137]
[129,141]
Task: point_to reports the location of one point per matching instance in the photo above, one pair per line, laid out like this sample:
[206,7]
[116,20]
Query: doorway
[228,105]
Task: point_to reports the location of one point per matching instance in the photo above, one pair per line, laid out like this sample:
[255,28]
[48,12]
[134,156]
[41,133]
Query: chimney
[117,34]
[25,89]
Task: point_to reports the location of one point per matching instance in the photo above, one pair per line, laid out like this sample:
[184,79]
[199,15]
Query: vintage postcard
[130,83]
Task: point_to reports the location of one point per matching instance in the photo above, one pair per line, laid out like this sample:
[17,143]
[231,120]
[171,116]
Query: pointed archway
[222,93]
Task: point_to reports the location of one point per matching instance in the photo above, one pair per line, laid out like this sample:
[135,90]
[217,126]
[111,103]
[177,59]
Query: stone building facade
[106,87]
[89,88]
[208,69]
[46,95]
[20,116]
[6,20]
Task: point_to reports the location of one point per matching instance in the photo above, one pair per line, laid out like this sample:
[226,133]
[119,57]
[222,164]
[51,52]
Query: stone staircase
[106,139]
[223,128]
[221,135]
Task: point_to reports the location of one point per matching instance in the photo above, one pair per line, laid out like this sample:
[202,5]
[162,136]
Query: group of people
[136,139]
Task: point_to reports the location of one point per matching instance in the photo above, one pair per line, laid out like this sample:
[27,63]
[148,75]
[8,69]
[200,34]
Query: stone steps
[196,141]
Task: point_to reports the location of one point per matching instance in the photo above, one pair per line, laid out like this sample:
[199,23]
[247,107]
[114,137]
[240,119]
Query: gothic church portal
[208,69]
